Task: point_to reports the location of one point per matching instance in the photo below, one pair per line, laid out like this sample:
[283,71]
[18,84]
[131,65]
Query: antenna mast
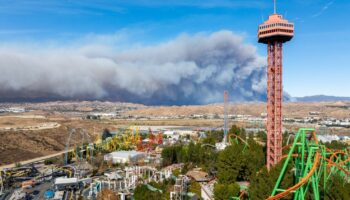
[225,116]
[274,6]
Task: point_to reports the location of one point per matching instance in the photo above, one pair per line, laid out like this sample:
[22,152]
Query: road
[34,160]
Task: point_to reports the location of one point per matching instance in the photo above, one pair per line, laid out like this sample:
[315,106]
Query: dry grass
[23,145]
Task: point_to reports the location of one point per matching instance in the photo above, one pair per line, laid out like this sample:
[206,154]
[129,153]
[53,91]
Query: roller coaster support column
[67,147]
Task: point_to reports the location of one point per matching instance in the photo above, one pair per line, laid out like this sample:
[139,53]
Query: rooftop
[198,176]
[125,154]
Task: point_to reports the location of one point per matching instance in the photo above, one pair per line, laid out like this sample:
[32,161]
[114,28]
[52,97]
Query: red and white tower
[274,32]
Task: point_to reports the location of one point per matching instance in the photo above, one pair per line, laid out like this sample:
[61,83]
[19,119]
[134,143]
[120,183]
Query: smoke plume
[190,69]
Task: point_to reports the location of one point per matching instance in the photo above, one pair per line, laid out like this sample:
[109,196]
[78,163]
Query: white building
[169,133]
[62,183]
[187,132]
[328,138]
[220,146]
[124,156]
[16,110]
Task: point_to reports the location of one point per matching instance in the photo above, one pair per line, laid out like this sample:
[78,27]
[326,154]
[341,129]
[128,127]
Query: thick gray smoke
[187,70]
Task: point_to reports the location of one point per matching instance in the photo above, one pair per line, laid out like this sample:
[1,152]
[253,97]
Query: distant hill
[321,98]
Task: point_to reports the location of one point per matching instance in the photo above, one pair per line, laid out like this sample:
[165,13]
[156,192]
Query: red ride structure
[274,32]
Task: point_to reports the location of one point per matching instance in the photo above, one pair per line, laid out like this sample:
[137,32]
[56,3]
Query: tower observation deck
[274,32]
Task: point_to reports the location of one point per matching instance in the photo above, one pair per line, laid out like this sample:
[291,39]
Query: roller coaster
[236,139]
[314,165]
[129,138]
[126,138]
[123,139]
[16,175]
[84,148]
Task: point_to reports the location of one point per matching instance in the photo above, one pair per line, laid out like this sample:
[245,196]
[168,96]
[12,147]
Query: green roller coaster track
[314,165]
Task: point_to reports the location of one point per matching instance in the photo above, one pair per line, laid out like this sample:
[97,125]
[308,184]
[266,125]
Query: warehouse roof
[126,154]
[64,180]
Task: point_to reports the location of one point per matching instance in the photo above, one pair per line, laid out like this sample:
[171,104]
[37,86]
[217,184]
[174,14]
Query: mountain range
[320,98]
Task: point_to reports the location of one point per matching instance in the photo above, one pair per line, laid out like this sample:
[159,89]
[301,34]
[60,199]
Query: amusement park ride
[125,139]
[313,167]
[314,164]
[274,32]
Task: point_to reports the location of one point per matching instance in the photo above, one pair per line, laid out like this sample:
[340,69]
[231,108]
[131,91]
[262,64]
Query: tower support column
[274,103]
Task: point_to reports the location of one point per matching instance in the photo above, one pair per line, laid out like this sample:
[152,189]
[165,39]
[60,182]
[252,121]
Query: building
[328,138]
[187,133]
[125,156]
[207,190]
[64,183]
[198,176]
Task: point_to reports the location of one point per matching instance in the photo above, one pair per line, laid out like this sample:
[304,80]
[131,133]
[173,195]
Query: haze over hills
[321,98]
[287,98]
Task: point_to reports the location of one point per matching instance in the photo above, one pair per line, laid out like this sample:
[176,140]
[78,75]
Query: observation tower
[274,32]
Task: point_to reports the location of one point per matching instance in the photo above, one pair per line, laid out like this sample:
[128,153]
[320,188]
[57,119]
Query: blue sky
[315,62]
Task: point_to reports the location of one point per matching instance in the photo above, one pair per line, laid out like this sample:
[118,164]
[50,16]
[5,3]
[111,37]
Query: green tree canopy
[337,188]
[239,162]
[142,192]
[262,184]
[225,191]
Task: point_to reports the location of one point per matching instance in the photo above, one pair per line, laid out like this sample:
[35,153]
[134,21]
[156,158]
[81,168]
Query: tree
[142,192]
[172,154]
[262,184]
[239,162]
[195,187]
[261,135]
[336,145]
[229,164]
[337,188]
[253,160]
[236,130]
[192,154]
[213,137]
[225,191]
